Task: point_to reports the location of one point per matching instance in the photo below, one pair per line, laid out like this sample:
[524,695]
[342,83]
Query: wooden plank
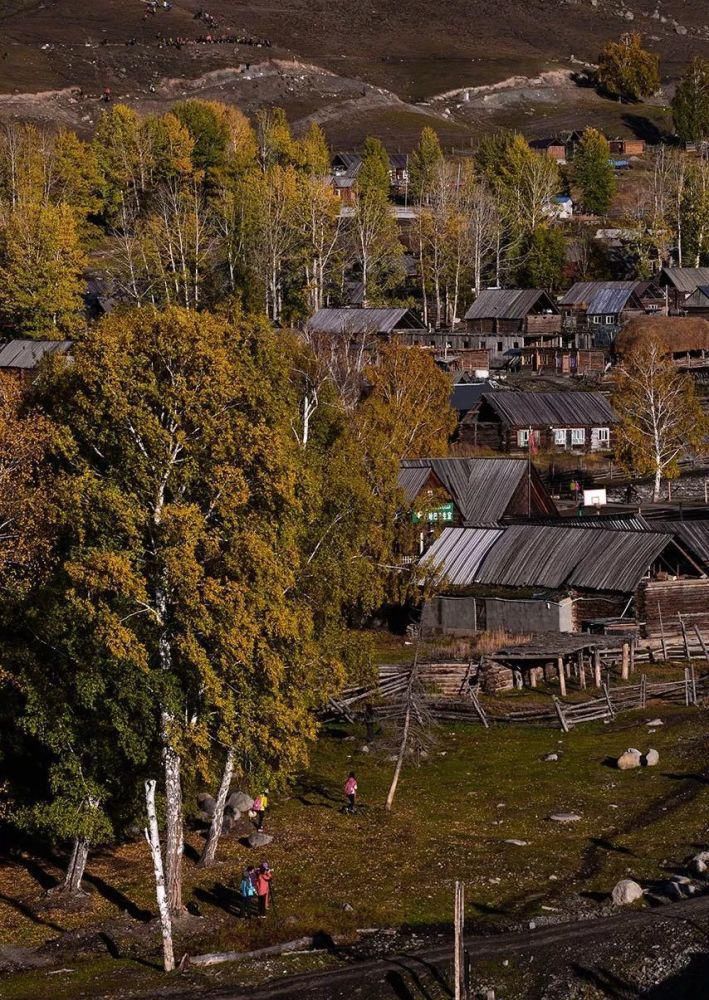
[608,699]
[560,713]
[700,639]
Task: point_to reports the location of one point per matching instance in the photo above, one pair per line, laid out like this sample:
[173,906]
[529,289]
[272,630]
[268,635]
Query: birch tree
[661,420]
[374,246]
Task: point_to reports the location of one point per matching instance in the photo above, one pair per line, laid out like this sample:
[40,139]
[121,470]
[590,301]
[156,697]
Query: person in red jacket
[351,792]
[263,888]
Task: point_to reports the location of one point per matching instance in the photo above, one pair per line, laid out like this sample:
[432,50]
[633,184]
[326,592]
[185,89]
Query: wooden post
[700,640]
[643,690]
[562,679]
[624,662]
[560,713]
[693,681]
[608,701]
[684,636]
[662,633]
[533,677]
[460,991]
[597,668]
[632,656]
[686,685]
[582,669]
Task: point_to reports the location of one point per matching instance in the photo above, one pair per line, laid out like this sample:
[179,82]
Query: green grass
[452,814]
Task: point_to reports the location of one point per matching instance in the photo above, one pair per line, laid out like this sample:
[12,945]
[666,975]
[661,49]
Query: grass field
[451,819]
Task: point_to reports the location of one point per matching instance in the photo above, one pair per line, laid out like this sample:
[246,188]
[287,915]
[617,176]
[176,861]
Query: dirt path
[431,962]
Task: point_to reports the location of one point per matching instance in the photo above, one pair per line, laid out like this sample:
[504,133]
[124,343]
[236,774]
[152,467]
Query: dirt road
[426,970]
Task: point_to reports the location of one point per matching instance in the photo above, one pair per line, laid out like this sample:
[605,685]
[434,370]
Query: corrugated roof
[699,298]
[358,321]
[481,488]
[693,536]
[466,395]
[504,303]
[552,409]
[600,297]
[686,279]
[549,557]
[458,552]
[28,353]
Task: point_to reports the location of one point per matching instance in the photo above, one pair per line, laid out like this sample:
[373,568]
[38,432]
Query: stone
[651,758]
[700,863]
[680,29]
[259,839]
[629,759]
[626,891]
[517,843]
[565,817]
[655,722]
[550,756]
[206,803]
[364,749]
[347,907]
[240,802]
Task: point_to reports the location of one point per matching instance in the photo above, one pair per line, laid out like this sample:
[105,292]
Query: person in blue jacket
[247,892]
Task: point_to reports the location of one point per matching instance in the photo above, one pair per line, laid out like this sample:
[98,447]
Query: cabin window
[604,435]
[483,345]
[610,320]
[466,343]
[560,435]
[500,346]
[523,438]
[578,435]
[596,319]
[515,343]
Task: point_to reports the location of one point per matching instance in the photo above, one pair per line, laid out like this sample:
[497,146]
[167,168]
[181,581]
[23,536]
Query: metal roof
[481,488]
[457,553]
[357,321]
[552,409]
[28,353]
[693,536]
[465,395]
[550,557]
[699,297]
[686,279]
[600,298]
[506,303]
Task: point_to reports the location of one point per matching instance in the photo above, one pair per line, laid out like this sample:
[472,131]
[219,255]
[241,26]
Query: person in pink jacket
[351,792]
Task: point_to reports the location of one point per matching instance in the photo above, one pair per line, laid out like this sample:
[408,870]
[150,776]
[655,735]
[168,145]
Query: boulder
[259,839]
[206,803]
[565,817]
[629,759]
[655,722]
[651,758]
[626,891]
[700,863]
[240,802]
[550,756]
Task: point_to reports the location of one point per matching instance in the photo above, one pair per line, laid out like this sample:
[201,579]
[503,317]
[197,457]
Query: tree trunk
[400,759]
[152,835]
[173,820]
[76,867]
[215,829]
[657,485]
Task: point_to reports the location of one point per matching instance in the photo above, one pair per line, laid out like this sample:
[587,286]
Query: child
[247,891]
[260,806]
[351,792]
[263,889]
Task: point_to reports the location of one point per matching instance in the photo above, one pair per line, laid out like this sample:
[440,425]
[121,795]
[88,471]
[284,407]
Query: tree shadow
[220,896]
[119,899]
[643,128]
[607,982]
[44,878]
[594,895]
[701,779]
[191,852]
[28,912]
[397,980]
[607,845]
[688,984]
[486,908]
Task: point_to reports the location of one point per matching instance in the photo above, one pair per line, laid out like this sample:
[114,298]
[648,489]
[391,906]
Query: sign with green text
[444,512]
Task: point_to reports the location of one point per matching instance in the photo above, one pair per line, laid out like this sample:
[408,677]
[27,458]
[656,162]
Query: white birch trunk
[173,821]
[400,759]
[152,835]
[215,829]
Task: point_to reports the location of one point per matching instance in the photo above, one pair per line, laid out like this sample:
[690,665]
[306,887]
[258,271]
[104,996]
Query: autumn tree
[690,104]
[423,165]
[41,264]
[373,244]
[374,174]
[628,71]
[661,419]
[593,172]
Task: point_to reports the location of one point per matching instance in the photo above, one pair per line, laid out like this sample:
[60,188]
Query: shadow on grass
[44,878]
[117,898]
[701,779]
[607,982]
[28,912]
[688,984]
[644,128]
[608,845]
[220,896]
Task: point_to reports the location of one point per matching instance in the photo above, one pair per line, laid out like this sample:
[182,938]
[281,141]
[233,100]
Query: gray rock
[565,817]
[629,759]
[680,29]
[206,803]
[347,907]
[517,843]
[655,722]
[626,891]
[259,839]
[651,758]
[240,802]
[700,863]
[550,756]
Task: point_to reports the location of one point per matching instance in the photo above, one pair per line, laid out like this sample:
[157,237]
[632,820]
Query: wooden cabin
[563,360]
[504,320]
[578,422]
[680,283]
[627,147]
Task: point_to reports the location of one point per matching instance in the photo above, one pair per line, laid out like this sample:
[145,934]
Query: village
[355,545]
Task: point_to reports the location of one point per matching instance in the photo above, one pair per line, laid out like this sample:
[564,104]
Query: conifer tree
[593,172]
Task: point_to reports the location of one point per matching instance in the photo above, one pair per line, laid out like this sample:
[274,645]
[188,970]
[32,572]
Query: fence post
[643,691]
[608,701]
[694,683]
[560,713]
[686,685]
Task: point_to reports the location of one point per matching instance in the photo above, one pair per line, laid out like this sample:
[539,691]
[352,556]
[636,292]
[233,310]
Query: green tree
[544,259]
[374,173]
[314,152]
[424,162]
[41,264]
[224,142]
[628,71]
[690,104]
[593,172]
[661,419]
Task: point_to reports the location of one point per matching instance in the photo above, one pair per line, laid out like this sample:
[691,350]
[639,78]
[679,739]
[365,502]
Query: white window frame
[604,434]
[523,438]
[560,436]
[578,436]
